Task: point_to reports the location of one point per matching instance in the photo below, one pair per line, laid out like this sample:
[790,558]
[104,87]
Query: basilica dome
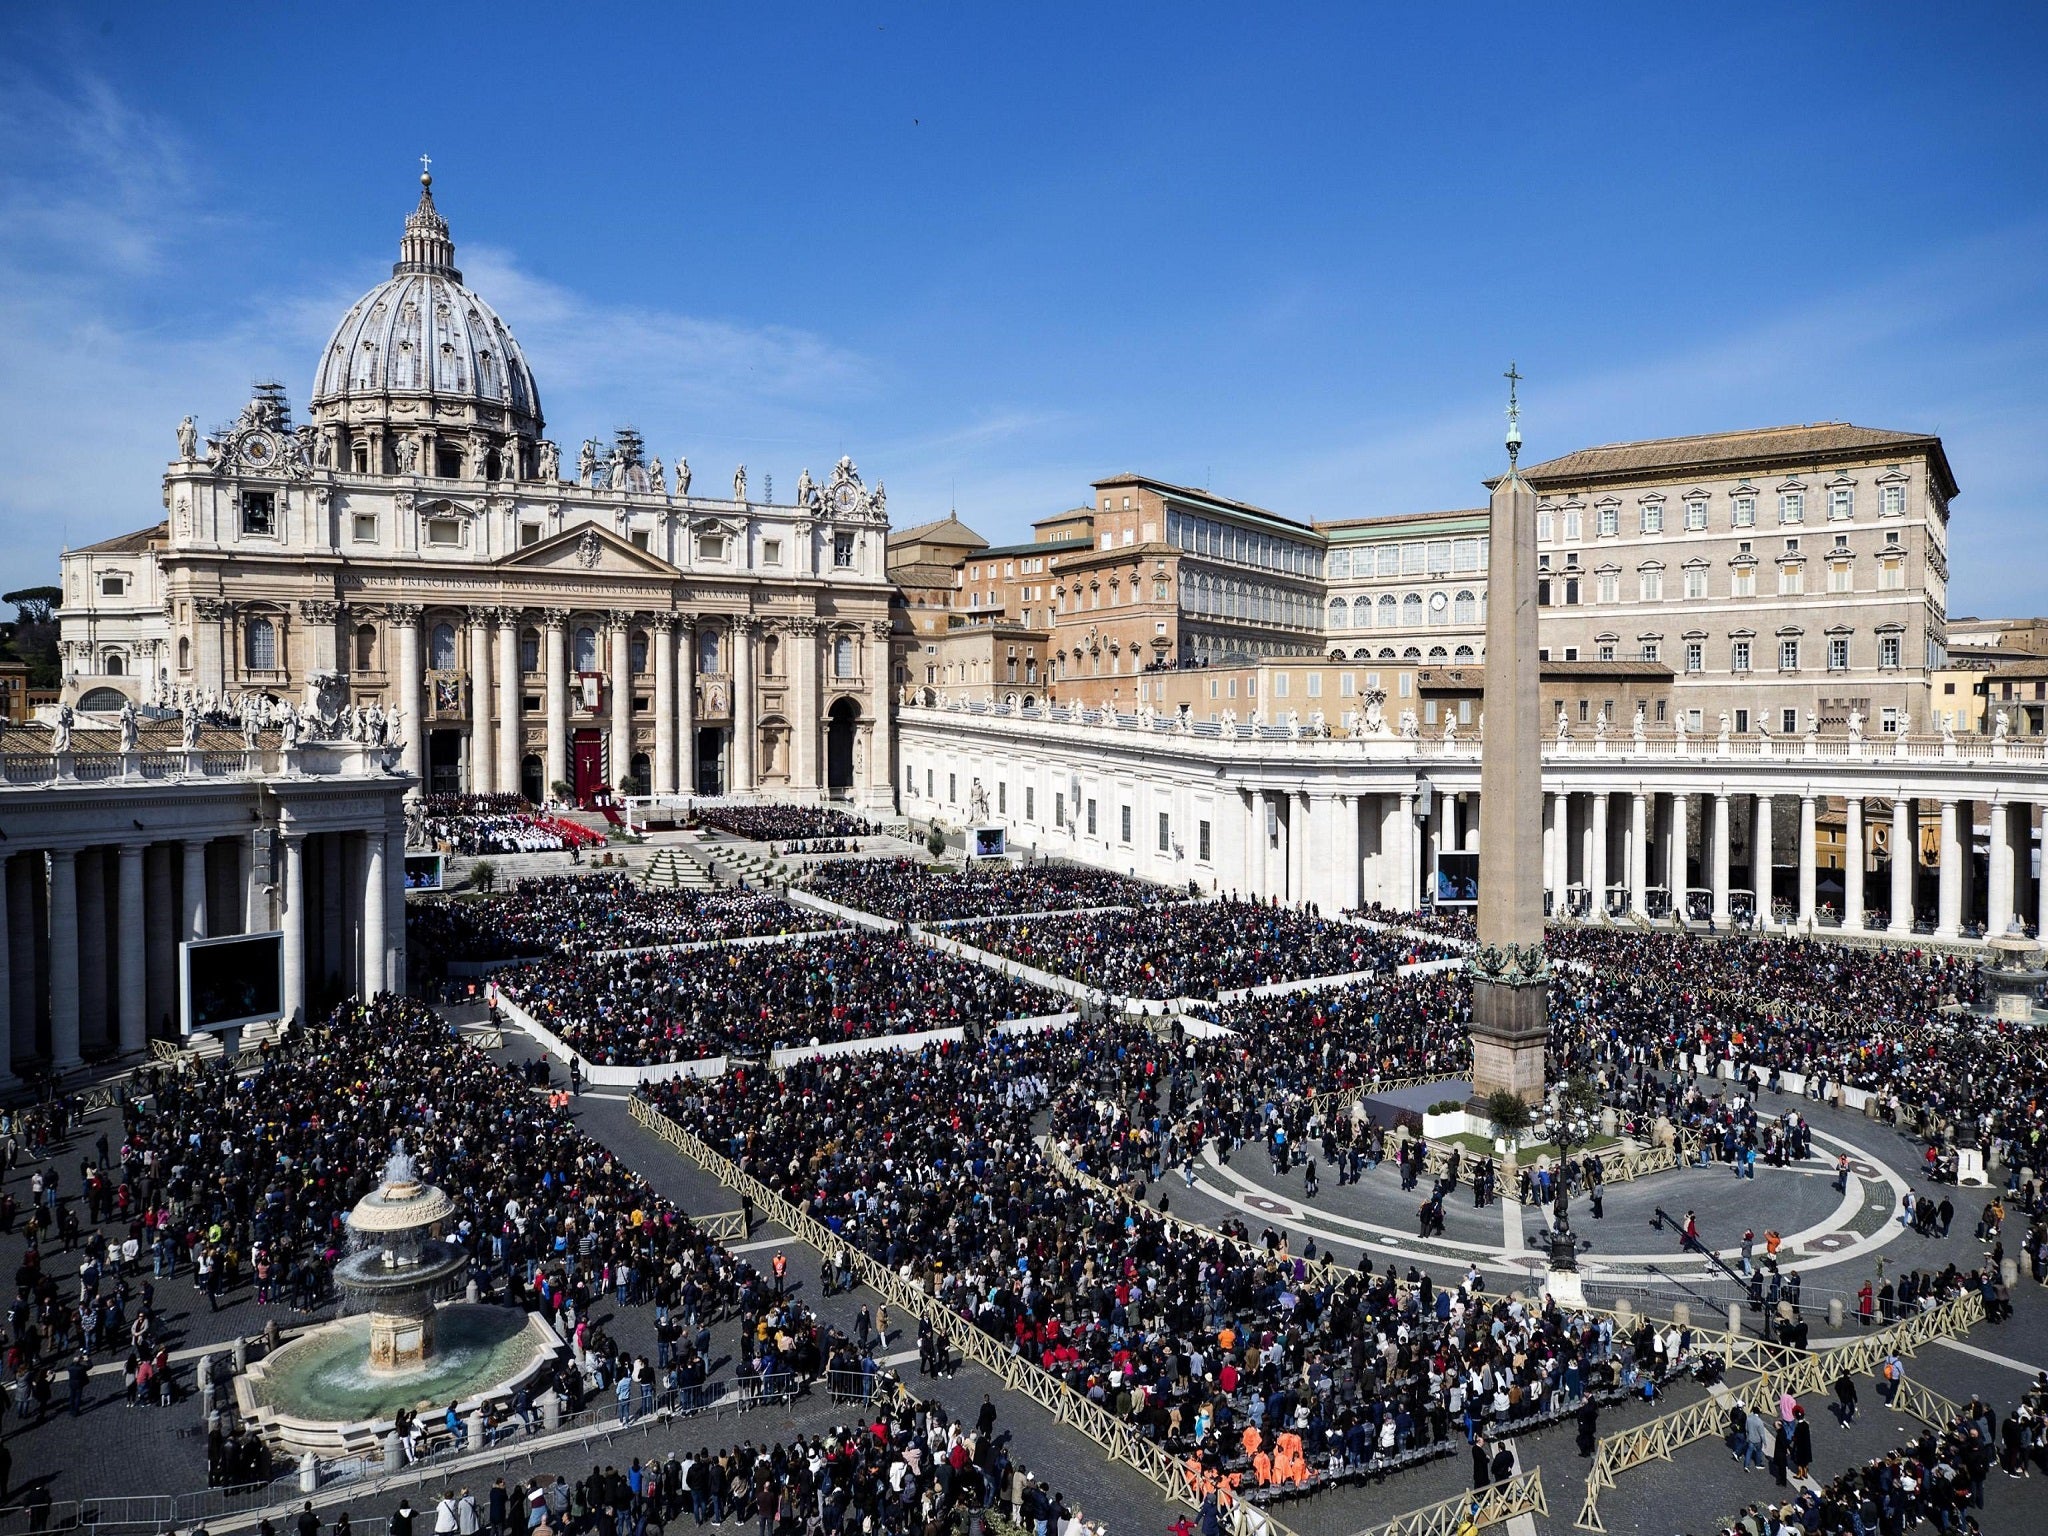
[421,347]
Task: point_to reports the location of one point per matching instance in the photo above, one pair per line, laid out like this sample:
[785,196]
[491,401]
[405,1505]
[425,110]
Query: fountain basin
[323,1393]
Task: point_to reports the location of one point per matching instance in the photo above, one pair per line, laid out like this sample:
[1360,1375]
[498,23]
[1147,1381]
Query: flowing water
[327,1374]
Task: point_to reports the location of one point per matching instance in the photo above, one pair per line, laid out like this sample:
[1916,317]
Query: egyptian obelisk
[1510,981]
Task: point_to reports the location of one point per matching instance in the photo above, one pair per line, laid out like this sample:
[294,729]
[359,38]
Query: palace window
[1738,656]
[711,546]
[1788,655]
[366,648]
[529,651]
[1695,514]
[842,656]
[1791,580]
[1696,582]
[1465,608]
[1892,501]
[260,645]
[1650,583]
[585,651]
[1838,653]
[1609,521]
[441,648]
[842,549]
[1653,517]
[1841,503]
[1695,656]
[113,585]
[1841,577]
[1608,586]
[1649,651]
[446,532]
[259,513]
[1791,507]
[1891,574]
[1742,511]
[1888,652]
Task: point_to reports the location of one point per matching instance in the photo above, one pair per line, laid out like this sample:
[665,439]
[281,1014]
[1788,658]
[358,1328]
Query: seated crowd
[1196,949]
[480,824]
[920,893]
[1209,1343]
[561,914]
[782,823]
[631,1010]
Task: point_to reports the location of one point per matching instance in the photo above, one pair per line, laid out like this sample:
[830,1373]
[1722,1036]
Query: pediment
[588,548]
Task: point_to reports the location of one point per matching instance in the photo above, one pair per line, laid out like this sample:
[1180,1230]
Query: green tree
[935,840]
[483,874]
[33,637]
[1507,1116]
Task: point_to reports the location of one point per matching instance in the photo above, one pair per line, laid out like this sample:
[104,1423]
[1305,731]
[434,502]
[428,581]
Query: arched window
[842,656]
[1389,612]
[111,664]
[586,650]
[366,647]
[1462,653]
[1411,654]
[707,650]
[1438,653]
[260,643]
[1465,608]
[1386,653]
[1411,609]
[184,653]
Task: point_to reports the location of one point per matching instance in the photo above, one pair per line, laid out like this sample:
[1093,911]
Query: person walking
[1845,1399]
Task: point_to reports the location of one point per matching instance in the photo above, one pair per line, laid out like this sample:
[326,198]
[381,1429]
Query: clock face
[259,449]
[844,496]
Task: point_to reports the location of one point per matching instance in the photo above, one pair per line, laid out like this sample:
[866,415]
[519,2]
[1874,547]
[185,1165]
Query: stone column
[620,633]
[1998,845]
[1342,815]
[1762,836]
[1602,809]
[1852,864]
[1552,809]
[134,978]
[63,952]
[740,780]
[1949,920]
[511,734]
[686,706]
[806,709]
[1638,853]
[662,642]
[1586,851]
[394,902]
[28,950]
[880,781]
[375,888]
[556,635]
[160,897]
[483,756]
[1904,854]
[1966,862]
[1719,877]
[94,963]
[406,687]
[1404,851]
[1679,834]
[1809,858]
[2040,885]
[6,978]
[291,881]
[195,888]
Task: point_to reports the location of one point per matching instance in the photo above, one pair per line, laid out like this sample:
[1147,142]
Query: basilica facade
[417,544]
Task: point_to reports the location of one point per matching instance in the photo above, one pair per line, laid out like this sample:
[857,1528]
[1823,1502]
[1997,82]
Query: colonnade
[1642,852]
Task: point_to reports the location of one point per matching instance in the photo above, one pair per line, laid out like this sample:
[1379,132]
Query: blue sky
[996,252]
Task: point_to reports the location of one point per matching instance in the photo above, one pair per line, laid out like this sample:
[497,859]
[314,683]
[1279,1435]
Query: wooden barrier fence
[1521,1494]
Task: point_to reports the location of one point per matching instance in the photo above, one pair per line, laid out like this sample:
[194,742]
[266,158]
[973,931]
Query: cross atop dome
[425,245]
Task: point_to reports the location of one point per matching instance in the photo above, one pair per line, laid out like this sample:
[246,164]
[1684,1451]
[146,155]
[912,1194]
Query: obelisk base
[1510,1023]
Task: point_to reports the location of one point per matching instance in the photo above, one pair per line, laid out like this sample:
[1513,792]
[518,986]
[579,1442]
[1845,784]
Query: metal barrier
[723,1226]
[1659,1437]
[1521,1494]
[1121,1441]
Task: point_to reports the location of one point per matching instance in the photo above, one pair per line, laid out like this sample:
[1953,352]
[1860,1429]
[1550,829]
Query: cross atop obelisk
[1510,982]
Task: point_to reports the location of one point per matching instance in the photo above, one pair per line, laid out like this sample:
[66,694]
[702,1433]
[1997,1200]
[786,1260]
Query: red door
[589,766]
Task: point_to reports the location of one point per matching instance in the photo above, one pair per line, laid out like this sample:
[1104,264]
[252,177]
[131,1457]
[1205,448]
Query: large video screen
[423,871]
[232,981]
[989,843]
[1457,879]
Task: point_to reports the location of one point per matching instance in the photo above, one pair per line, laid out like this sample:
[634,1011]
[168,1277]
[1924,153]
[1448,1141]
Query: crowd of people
[769,823]
[1207,1341]
[632,1010]
[483,824]
[920,893]
[567,915]
[1196,949]
[903,1468]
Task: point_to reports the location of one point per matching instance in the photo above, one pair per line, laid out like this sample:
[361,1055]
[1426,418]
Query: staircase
[671,869]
